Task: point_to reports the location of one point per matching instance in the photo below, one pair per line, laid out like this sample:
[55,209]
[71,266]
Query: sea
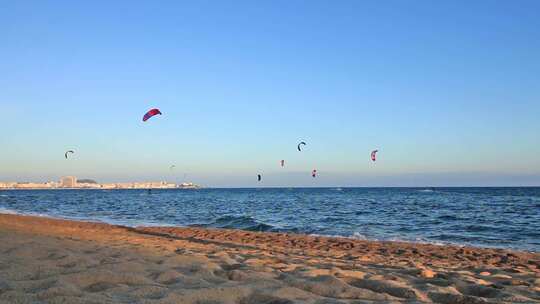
[485,217]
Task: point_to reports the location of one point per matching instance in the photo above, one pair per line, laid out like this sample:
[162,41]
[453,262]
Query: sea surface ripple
[487,217]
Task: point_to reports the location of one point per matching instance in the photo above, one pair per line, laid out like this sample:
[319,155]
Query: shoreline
[167,226]
[54,260]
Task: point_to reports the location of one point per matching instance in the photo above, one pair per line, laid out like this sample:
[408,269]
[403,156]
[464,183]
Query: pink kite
[374,155]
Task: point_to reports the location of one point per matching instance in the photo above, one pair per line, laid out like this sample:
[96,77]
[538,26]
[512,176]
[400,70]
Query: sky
[447,91]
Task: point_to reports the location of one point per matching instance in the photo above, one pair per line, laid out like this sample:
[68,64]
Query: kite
[374,155]
[66,154]
[301,143]
[151,113]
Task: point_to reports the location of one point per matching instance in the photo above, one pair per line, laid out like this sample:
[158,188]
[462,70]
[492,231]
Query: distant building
[6,185]
[189,186]
[51,184]
[86,181]
[68,182]
[71,182]
[34,186]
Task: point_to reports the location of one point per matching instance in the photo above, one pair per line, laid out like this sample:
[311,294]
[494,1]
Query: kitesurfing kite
[374,155]
[150,113]
[66,154]
[282,162]
[301,143]
[259,177]
[172,167]
[314,173]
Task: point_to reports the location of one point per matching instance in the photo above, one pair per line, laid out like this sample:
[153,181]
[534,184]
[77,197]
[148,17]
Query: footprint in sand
[237,275]
[150,292]
[208,302]
[54,256]
[168,277]
[479,291]
[68,265]
[34,287]
[92,251]
[4,286]
[229,267]
[385,287]
[9,250]
[59,289]
[448,298]
[100,286]
[264,299]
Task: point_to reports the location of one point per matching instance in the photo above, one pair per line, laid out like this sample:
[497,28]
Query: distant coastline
[179,187]
[71,182]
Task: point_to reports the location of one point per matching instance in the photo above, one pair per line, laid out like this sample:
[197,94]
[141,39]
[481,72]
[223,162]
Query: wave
[15,212]
[8,211]
[420,240]
[238,222]
[448,218]
[478,228]
[401,239]
[359,236]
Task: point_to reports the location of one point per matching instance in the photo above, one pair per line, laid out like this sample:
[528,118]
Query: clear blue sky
[448,91]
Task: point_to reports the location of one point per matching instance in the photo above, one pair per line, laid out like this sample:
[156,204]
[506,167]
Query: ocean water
[487,217]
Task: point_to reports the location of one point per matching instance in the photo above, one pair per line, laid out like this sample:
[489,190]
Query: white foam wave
[421,241]
[11,211]
[7,211]
[359,236]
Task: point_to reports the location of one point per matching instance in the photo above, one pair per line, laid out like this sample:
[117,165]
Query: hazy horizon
[447,92]
[301,179]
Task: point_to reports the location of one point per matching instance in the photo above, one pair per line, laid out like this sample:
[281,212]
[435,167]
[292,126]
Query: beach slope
[45,260]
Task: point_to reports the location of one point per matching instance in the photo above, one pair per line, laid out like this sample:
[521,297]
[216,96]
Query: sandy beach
[45,260]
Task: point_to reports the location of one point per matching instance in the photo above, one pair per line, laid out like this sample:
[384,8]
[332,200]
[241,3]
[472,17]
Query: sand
[45,260]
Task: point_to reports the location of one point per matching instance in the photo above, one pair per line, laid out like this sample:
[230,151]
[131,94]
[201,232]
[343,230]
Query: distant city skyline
[447,91]
[340,180]
[71,182]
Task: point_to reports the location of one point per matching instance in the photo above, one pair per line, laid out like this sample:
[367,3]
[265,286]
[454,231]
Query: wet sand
[46,260]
